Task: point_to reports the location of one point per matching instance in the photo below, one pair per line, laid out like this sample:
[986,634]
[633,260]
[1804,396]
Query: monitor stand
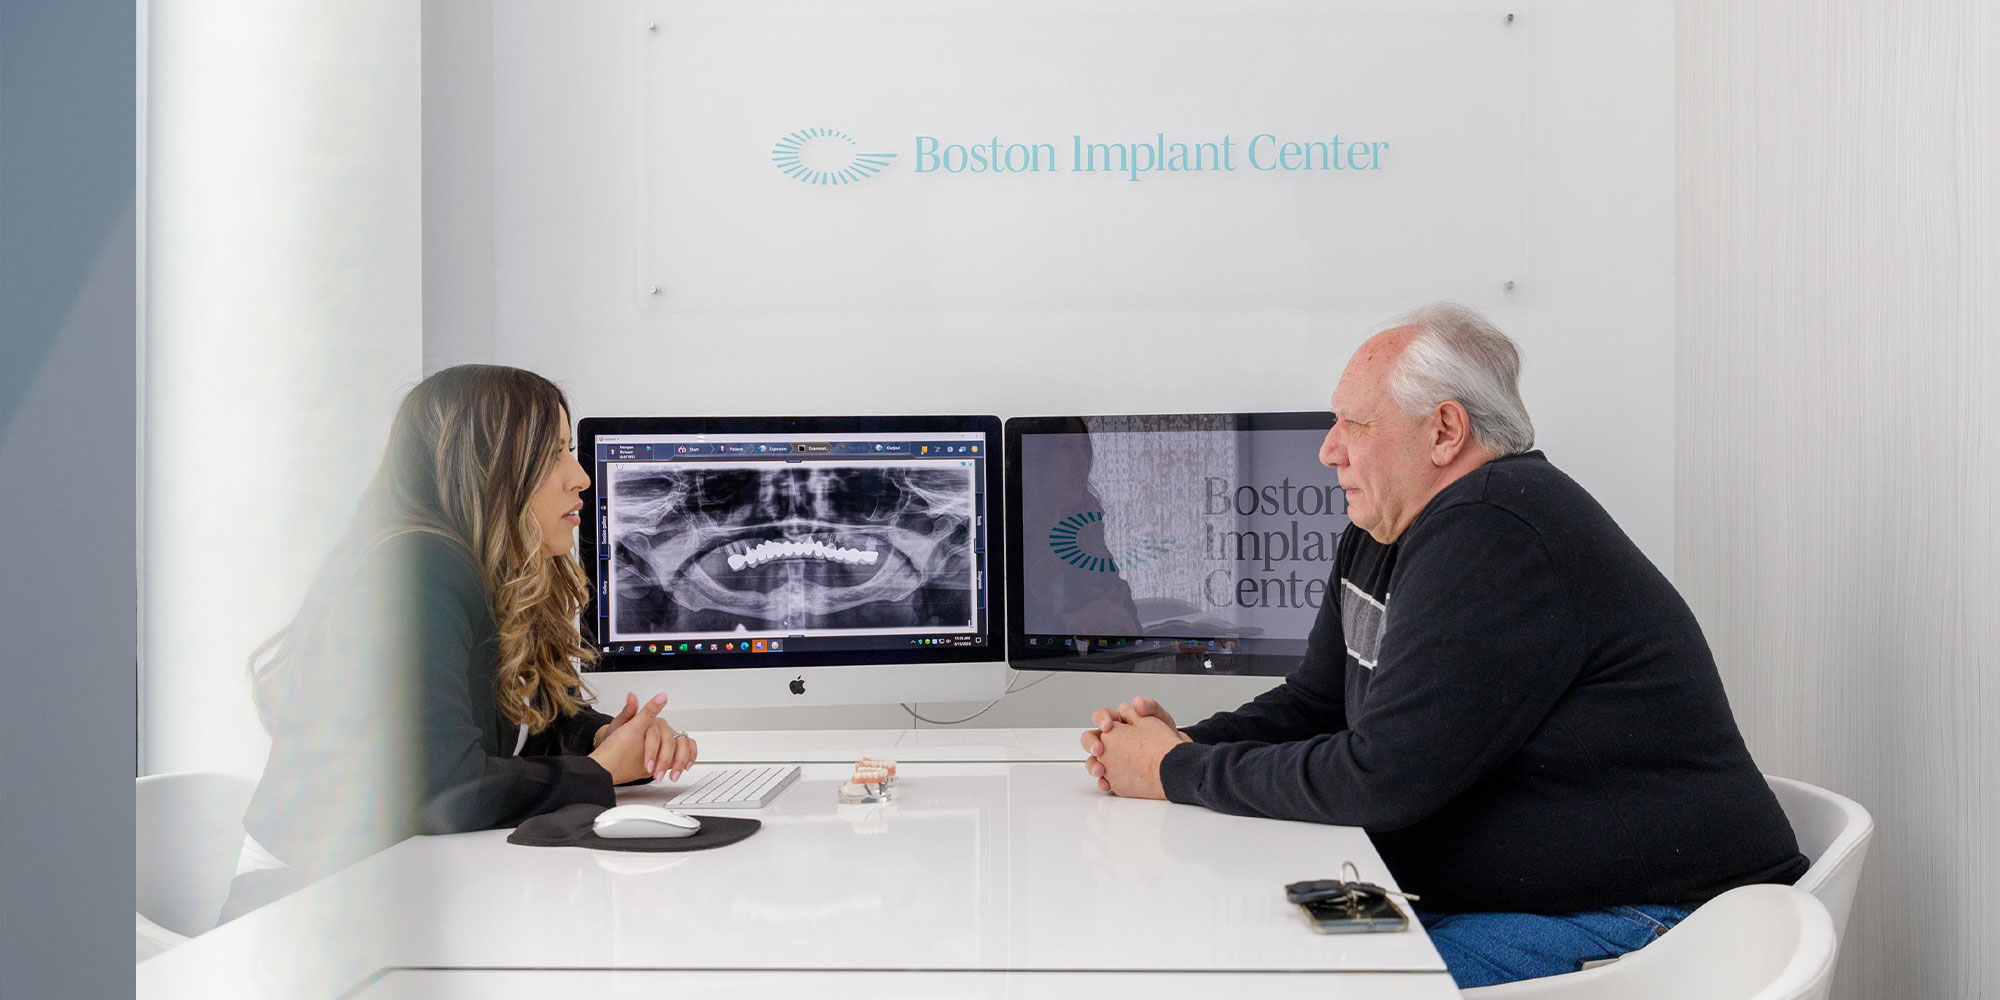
[806,687]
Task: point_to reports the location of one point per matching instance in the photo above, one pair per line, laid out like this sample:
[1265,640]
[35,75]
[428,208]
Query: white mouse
[626,822]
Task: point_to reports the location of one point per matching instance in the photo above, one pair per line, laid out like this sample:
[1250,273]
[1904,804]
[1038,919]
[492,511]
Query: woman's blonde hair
[467,451]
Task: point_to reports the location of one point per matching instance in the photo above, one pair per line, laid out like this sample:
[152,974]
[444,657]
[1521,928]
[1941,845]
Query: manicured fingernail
[649,765]
[660,699]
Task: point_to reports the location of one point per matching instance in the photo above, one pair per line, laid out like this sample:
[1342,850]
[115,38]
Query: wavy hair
[468,448]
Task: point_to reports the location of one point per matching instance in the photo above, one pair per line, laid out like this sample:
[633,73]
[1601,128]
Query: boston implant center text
[1264,152]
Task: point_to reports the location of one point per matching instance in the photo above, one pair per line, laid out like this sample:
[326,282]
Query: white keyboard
[736,788]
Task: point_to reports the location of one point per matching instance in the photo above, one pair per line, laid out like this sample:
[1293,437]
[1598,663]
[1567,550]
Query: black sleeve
[1480,642]
[1311,700]
[462,785]
[569,734]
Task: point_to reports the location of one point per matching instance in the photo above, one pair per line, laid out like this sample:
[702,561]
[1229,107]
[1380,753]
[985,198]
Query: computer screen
[775,543]
[1183,543]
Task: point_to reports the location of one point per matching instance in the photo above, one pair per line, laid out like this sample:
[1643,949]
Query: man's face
[1381,455]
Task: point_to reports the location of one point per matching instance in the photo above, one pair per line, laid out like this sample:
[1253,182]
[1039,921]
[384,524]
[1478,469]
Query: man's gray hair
[1460,355]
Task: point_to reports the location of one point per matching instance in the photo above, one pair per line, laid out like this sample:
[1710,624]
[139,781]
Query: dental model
[871,781]
[881,766]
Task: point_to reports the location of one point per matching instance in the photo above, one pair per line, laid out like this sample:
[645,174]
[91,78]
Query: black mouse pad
[570,827]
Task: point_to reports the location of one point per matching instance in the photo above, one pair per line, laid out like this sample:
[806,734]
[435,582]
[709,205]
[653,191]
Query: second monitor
[1187,543]
[740,551]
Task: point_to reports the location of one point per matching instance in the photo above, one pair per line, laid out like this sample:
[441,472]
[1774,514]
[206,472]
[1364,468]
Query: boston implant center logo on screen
[829,158]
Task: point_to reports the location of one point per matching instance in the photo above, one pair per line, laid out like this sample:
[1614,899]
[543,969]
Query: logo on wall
[1072,538]
[823,156]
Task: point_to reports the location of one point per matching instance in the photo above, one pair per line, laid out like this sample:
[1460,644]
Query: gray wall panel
[1838,299]
[68,624]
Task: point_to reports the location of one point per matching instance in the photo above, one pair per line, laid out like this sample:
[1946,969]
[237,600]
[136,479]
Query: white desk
[913,745]
[982,879]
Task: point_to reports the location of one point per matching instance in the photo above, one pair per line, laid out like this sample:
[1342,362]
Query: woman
[429,683]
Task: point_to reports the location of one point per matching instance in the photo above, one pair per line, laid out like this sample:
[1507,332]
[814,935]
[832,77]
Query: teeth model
[763,552]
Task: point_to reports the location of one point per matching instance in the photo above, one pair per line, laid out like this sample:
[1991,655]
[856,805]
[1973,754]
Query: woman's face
[555,504]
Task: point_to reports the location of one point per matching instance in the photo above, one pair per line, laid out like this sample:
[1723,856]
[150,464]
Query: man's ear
[1453,434]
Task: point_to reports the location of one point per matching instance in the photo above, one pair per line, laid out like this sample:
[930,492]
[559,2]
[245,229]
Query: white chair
[190,830]
[1833,833]
[1757,942]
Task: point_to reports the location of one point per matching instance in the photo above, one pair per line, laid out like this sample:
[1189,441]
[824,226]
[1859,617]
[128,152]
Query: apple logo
[798,685]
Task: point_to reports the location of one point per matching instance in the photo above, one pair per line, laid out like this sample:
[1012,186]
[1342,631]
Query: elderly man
[1513,702]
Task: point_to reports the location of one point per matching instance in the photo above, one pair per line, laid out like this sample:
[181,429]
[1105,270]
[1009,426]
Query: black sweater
[1516,705]
[392,726]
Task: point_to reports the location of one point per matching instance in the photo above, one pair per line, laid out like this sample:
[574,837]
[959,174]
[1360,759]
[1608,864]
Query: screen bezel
[589,429]
[1022,656]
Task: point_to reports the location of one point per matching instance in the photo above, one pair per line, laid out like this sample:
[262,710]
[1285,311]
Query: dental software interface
[786,544]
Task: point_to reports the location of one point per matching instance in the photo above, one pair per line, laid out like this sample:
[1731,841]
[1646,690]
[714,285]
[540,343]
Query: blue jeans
[1484,949]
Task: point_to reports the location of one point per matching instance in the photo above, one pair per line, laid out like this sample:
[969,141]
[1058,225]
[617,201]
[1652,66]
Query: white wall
[1839,258]
[545,163]
[285,293]
[283,314]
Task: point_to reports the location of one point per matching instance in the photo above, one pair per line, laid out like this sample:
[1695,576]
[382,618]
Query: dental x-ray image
[777,547]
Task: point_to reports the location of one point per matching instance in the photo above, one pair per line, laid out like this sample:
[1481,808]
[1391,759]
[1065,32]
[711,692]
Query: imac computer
[1182,543]
[770,561]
